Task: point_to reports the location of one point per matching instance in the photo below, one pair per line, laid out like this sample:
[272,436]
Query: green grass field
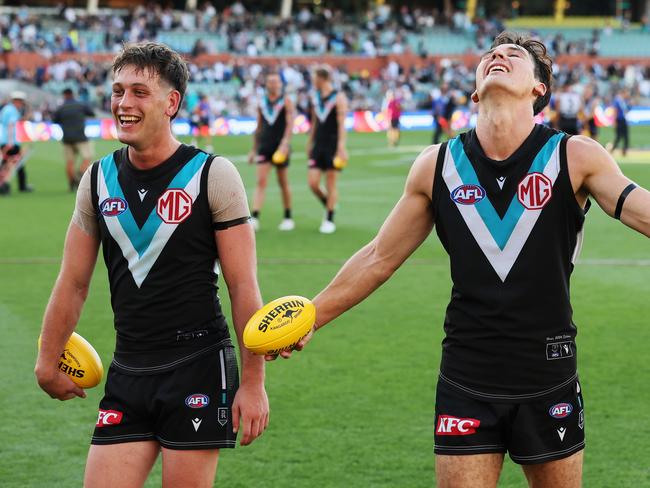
[356,408]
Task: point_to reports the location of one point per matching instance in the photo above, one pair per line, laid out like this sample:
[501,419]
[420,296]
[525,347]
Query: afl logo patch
[468,194]
[560,410]
[197,400]
[534,191]
[112,207]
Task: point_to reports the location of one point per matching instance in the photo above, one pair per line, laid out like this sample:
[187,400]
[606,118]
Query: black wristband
[621,200]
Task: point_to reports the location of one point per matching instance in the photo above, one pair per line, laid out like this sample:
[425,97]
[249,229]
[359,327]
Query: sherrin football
[80,362]
[279,325]
[278,157]
[340,163]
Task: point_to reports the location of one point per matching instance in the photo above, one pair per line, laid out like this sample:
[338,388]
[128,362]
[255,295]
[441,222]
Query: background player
[71,116]
[569,106]
[326,142]
[163,212]
[508,373]
[393,112]
[201,119]
[10,114]
[273,134]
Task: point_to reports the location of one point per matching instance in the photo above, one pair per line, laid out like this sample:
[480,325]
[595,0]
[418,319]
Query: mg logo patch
[174,206]
[535,191]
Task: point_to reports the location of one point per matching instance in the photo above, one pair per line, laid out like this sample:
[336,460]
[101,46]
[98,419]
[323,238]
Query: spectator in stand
[71,116]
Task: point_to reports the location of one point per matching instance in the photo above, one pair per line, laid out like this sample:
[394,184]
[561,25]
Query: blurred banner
[362,121]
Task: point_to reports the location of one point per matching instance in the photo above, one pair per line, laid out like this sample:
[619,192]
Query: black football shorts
[536,431]
[322,157]
[185,408]
[265,155]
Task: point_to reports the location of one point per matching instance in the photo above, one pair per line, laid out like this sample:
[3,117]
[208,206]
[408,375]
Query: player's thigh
[331,177]
[313,177]
[263,170]
[468,471]
[283,175]
[125,465]
[565,473]
[69,152]
[195,468]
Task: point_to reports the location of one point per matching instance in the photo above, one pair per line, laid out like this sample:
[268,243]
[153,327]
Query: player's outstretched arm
[594,171]
[239,267]
[63,310]
[405,228]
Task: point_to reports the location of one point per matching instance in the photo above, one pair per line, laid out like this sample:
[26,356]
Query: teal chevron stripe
[141,237]
[500,229]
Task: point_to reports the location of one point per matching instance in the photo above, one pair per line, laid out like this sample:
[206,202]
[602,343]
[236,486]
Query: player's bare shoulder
[422,173]
[586,157]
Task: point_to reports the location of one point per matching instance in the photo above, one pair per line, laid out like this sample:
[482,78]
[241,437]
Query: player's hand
[250,411]
[284,148]
[342,153]
[298,347]
[251,157]
[57,384]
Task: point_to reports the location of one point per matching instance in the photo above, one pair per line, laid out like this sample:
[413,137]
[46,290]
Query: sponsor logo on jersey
[560,410]
[468,194]
[112,207]
[174,206]
[197,400]
[108,417]
[534,191]
[448,425]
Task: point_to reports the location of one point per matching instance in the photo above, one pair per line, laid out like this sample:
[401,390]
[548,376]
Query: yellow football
[278,157]
[340,163]
[80,362]
[279,325]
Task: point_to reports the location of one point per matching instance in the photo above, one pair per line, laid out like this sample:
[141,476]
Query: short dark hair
[323,72]
[543,62]
[159,59]
[68,92]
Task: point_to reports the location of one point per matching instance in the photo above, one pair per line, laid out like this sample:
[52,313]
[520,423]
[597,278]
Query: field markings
[283,261]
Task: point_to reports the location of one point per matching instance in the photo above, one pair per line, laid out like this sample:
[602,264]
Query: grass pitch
[356,408]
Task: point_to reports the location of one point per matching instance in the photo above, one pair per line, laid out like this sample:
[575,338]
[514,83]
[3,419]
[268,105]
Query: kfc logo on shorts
[448,425]
[174,206]
[108,417]
[535,191]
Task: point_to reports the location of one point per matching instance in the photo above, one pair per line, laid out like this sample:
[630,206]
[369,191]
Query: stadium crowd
[233,87]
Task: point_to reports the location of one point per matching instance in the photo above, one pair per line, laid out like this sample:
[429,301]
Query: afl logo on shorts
[112,207]
[560,410]
[174,206]
[197,400]
[468,194]
[535,191]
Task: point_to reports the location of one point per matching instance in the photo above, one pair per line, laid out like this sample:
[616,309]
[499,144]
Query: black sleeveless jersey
[327,127]
[158,244]
[274,123]
[513,230]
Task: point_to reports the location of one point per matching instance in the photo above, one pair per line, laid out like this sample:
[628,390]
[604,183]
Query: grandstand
[371,48]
